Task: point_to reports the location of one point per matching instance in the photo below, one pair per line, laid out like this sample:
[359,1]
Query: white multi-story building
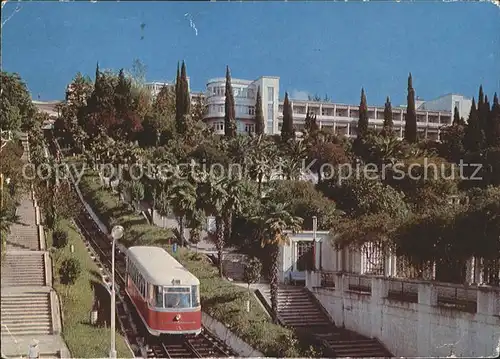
[343,118]
[155,87]
[245,97]
[448,103]
[432,115]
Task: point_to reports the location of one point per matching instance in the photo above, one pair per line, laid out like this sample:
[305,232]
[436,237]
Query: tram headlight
[177,317]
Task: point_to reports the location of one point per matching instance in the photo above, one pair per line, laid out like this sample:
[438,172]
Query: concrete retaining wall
[229,338]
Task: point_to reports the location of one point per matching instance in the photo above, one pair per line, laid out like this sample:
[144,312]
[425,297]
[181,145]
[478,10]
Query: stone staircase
[22,270]
[26,314]
[297,308]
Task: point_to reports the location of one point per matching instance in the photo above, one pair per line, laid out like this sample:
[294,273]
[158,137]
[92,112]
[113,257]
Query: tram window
[195,295]
[158,294]
[151,295]
[178,297]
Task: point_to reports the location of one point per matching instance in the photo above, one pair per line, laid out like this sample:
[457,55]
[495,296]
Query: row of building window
[239,92]
[354,113]
[239,109]
[249,127]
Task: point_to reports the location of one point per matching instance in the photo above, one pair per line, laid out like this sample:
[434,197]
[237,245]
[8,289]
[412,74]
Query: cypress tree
[363,116]
[287,130]
[456,117]
[123,95]
[473,136]
[411,114]
[178,99]
[311,124]
[182,100]
[494,123]
[259,115]
[229,115]
[485,114]
[388,122]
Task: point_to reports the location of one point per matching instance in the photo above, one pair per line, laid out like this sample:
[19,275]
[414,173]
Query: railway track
[143,344]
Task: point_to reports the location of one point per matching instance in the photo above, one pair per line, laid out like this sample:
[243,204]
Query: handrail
[416,281]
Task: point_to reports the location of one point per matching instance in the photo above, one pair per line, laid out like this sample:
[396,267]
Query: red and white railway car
[165,294]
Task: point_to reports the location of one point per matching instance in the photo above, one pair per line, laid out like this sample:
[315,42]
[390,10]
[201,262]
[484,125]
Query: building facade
[245,97]
[432,116]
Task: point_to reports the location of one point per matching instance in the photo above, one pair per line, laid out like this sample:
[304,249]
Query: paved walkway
[29,306]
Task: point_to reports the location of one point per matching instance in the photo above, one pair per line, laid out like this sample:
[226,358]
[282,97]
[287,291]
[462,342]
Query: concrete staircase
[345,343]
[26,314]
[297,308]
[23,270]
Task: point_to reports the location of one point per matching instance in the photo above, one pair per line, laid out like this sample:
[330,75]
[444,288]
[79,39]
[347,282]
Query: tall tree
[494,123]
[17,110]
[480,106]
[259,115]
[273,225]
[182,101]
[123,95]
[456,117]
[229,115]
[474,136]
[363,116]
[178,98]
[388,122]
[411,115]
[484,115]
[287,130]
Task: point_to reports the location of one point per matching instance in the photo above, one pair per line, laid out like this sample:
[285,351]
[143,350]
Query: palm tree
[212,197]
[237,148]
[294,154]
[197,221]
[162,204]
[274,225]
[262,159]
[232,203]
[182,198]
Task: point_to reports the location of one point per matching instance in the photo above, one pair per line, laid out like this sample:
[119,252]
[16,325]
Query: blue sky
[315,47]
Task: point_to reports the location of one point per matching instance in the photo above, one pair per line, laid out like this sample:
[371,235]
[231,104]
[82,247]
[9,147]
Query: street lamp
[116,233]
[315,228]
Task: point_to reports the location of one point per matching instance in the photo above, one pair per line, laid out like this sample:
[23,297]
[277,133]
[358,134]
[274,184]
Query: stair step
[15,327]
[31,317]
[27,332]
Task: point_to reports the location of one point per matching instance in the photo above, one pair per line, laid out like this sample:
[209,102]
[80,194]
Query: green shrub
[60,239]
[70,271]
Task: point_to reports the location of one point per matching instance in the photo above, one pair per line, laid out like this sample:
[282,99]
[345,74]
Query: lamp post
[315,228]
[116,233]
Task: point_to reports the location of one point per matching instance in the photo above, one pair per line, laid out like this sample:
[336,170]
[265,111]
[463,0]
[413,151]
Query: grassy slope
[83,340]
[220,299]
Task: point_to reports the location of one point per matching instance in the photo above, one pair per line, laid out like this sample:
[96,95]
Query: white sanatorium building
[342,118]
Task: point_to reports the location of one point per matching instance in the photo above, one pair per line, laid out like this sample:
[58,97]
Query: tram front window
[177,297]
[195,294]
[158,296]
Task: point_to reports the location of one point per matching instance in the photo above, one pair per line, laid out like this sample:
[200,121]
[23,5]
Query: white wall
[414,329]
[447,103]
